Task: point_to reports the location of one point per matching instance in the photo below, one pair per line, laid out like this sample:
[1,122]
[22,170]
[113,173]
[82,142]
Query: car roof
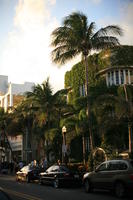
[118,160]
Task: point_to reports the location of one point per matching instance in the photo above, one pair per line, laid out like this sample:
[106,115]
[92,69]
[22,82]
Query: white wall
[21,88]
[3,83]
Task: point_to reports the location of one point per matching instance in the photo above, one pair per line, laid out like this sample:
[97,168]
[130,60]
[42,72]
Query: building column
[129,78]
[125,81]
[110,78]
[11,100]
[114,78]
[107,81]
[119,77]
[5,103]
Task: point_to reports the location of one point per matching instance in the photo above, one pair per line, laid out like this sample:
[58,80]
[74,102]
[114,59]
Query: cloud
[127,23]
[27,53]
[124,21]
[30,14]
[96,1]
[52,2]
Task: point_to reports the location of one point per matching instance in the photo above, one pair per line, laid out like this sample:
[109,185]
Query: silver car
[113,175]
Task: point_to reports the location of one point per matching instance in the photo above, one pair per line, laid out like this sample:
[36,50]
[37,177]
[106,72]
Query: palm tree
[49,109]
[76,37]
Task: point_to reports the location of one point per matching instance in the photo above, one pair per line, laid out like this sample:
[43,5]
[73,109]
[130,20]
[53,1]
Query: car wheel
[119,189]
[56,183]
[88,186]
[27,179]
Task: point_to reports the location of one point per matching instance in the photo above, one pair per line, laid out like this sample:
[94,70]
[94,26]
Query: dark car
[28,173]
[59,175]
[113,175]
[4,195]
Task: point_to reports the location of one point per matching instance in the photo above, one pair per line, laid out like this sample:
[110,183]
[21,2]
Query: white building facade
[9,91]
[118,75]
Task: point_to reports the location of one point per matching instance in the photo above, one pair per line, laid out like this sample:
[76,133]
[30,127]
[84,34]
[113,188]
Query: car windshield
[26,168]
[52,168]
[64,169]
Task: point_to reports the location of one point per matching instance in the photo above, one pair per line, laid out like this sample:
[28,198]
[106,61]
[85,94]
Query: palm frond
[60,57]
[91,29]
[104,42]
[112,29]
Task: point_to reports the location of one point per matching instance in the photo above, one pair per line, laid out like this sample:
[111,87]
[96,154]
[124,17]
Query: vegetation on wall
[75,78]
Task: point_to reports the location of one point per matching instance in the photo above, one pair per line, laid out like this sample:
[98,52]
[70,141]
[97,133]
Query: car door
[100,176]
[23,172]
[50,174]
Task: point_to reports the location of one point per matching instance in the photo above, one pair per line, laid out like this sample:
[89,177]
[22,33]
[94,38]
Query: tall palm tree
[76,37]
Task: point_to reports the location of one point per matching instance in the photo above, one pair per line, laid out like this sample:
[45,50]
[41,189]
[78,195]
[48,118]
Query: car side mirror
[96,170]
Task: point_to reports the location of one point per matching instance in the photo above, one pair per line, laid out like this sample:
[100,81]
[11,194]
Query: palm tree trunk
[83,138]
[88,102]
[130,137]
[129,124]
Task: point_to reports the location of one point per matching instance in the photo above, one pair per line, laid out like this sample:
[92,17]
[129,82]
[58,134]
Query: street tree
[76,37]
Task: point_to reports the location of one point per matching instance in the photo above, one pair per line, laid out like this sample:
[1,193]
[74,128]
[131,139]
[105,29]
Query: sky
[25,34]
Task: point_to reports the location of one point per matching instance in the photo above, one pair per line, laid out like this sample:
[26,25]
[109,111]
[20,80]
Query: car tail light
[131,177]
[66,174]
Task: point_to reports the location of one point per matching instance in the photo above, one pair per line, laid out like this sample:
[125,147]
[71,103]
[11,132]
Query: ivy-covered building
[108,68]
[115,64]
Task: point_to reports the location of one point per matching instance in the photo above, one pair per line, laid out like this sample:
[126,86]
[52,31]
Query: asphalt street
[34,191]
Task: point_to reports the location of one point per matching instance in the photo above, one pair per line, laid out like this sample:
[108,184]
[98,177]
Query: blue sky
[26,25]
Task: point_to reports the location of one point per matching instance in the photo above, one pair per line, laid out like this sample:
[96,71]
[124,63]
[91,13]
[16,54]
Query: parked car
[59,175]
[4,195]
[28,173]
[113,175]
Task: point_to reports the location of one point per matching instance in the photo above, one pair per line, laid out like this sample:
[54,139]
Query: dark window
[109,78]
[112,77]
[118,166]
[64,169]
[103,167]
[117,77]
[114,166]
[122,77]
[123,166]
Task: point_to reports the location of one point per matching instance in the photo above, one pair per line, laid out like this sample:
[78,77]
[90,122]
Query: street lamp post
[64,146]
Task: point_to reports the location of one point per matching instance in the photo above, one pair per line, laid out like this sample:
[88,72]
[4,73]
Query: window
[103,167]
[118,166]
[117,77]
[114,166]
[122,166]
[112,77]
[122,77]
[82,90]
[49,169]
[109,78]
[64,169]
[55,169]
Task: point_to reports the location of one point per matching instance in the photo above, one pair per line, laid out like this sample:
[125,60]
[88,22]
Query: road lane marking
[19,194]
